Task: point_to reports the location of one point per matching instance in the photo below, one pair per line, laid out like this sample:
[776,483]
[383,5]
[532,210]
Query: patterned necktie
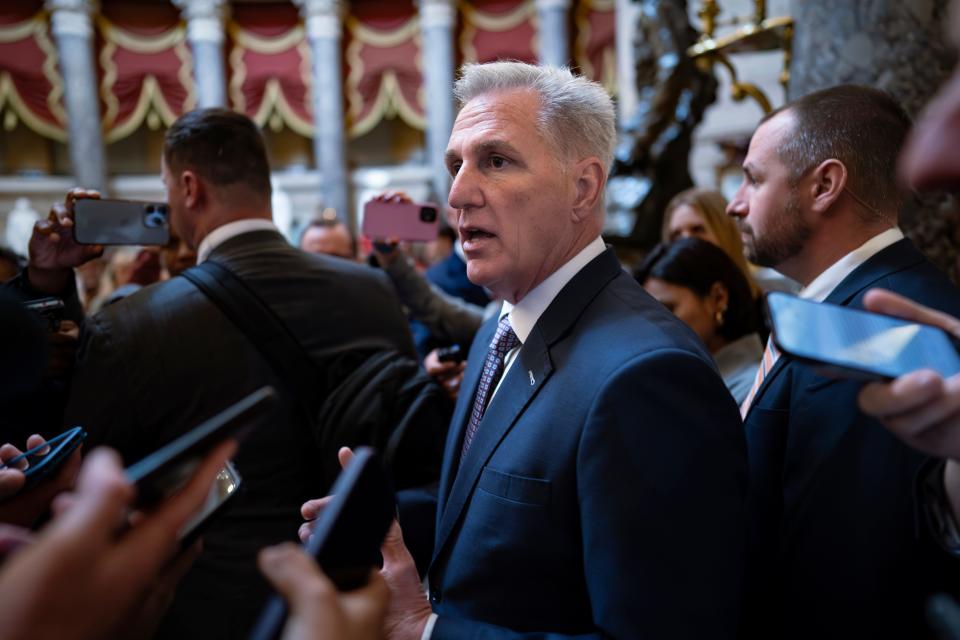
[770,355]
[504,340]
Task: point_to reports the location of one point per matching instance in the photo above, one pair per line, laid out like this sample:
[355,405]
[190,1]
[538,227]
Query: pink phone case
[414,221]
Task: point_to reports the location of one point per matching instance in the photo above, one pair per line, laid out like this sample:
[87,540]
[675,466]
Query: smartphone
[452,353]
[346,536]
[225,487]
[413,221]
[853,343]
[44,461]
[49,310]
[98,221]
[164,471]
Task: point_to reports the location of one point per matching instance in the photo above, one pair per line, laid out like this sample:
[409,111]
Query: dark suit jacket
[604,492]
[155,364]
[835,547]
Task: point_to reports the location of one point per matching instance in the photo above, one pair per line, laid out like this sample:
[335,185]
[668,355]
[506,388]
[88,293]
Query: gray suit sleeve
[448,318]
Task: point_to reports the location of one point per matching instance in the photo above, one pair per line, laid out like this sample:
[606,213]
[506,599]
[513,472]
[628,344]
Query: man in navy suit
[596,488]
[834,551]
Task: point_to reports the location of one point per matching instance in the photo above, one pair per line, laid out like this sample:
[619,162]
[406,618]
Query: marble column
[554,32]
[324,30]
[72,25]
[437,21]
[900,47]
[205,35]
[626,14]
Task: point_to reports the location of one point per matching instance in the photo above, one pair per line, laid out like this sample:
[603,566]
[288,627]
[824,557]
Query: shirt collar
[524,314]
[826,282]
[230,230]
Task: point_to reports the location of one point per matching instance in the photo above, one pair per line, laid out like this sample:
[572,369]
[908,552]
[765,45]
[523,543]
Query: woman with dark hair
[702,286]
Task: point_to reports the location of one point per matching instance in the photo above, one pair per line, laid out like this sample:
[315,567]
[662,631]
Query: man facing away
[594,475]
[834,551]
[157,363]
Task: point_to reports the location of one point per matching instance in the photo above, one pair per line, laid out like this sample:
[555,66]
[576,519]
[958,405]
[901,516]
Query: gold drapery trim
[139,43]
[35,27]
[473,19]
[270,46]
[150,93]
[608,73]
[274,98]
[390,100]
[10,98]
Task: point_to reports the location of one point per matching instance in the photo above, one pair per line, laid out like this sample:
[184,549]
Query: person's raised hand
[311,509]
[53,249]
[24,507]
[448,374]
[921,408]
[317,610]
[89,571]
[409,609]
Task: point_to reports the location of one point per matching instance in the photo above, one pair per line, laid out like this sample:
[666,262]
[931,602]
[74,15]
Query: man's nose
[737,207]
[465,190]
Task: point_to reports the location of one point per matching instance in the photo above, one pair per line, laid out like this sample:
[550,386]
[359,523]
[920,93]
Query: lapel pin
[532,381]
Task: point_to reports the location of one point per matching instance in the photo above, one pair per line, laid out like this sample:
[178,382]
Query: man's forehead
[489,114]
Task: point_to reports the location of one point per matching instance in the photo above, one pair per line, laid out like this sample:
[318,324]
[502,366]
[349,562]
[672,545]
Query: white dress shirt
[230,230]
[824,284]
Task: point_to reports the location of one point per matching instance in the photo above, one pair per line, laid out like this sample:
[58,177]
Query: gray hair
[576,115]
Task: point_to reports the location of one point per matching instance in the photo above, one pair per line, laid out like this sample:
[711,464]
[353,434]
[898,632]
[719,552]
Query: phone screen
[858,341]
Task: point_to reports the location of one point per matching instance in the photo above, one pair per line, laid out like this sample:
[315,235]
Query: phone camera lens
[155,220]
[428,214]
[150,208]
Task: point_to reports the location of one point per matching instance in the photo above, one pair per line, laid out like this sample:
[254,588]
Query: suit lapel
[461,414]
[529,373]
[898,256]
[526,376]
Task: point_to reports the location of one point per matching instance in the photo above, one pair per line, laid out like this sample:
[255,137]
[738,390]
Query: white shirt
[824,284]
[524,316]
[230,230]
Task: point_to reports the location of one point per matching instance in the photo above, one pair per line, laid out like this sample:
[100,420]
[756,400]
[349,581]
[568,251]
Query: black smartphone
[98,221]
[164,471]
[225,486]
[47,458]
[49,310]
[346,536]
[854,343]
[452,353]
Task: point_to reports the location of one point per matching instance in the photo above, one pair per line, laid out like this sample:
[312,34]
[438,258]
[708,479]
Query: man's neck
[824,249]
[211,222]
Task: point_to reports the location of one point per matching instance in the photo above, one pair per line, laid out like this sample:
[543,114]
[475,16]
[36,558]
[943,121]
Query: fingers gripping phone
[412,221]
[853,343]
[346,536]
[47,458]
[121,222]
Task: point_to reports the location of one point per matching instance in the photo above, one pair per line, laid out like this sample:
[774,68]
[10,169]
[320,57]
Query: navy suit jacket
[604,492]
[836,550]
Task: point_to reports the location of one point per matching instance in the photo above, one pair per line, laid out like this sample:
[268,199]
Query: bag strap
[264,329]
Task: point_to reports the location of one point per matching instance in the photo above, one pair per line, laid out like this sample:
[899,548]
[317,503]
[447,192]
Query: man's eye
[454,168]
[497,162]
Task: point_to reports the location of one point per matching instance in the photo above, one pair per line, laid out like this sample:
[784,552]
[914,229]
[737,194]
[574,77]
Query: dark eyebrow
[485,147]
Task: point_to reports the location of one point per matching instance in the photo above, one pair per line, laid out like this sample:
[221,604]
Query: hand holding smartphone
[853,343]
[46,458]
[346,536]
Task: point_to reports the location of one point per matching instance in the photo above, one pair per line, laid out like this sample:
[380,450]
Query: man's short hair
[576,115]
[222,146]
[862,127]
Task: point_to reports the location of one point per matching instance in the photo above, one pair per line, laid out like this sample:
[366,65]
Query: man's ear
[589,177]
[193,189]
[827,182]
